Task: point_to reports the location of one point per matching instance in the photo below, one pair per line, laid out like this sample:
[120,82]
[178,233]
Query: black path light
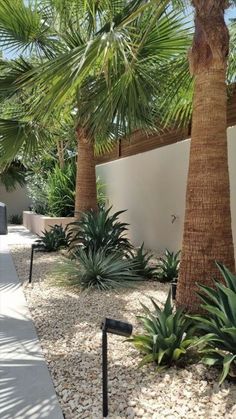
[33,247]
[116,328]
[173,286]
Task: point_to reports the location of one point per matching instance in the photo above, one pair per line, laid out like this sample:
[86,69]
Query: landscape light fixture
[116,328]
[33,247]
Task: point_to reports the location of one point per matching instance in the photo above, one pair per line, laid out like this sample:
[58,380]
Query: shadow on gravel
[68,324]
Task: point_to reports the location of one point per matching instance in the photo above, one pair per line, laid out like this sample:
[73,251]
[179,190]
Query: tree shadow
[7,286]
[80,369]
[26,389]
[20,236]
[15,401]
[78,360]
[131,389]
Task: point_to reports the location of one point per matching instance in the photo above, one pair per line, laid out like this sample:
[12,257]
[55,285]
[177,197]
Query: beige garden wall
[37,223]
[16,201]
[152,187]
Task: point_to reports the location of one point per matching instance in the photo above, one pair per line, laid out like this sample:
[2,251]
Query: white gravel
[68,325]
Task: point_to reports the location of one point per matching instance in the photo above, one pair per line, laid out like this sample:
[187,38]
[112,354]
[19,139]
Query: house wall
[16,201]
[152,187]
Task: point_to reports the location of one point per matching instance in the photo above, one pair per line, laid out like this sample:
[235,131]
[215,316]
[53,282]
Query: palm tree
[207,228]
[102,57]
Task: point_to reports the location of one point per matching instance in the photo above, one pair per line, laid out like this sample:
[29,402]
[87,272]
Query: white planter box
[37,223]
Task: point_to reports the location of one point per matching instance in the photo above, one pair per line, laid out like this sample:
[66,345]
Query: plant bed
[37,223]
[68,325]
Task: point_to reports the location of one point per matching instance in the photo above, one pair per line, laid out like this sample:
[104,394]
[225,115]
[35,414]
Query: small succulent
[142,261]
[99,230]
[167,335]
[168,267]
[54,239]
[98,270]
[219,323]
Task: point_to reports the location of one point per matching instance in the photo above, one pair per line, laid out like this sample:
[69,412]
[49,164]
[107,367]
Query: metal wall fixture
[174,218]
[114,327]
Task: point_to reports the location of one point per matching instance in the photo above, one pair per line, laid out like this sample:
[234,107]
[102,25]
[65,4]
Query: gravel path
[68,325]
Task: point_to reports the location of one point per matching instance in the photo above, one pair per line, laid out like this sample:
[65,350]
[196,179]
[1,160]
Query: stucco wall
[152,187]
[16,201]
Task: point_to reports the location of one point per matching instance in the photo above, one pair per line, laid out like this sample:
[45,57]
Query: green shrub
[98,270]
[99,231]
[37,190]
[142,261]
[16,219]
[219,324]
[101,193]
[53,239]
[61,191]
[52,189]
[167,335]
[168,267]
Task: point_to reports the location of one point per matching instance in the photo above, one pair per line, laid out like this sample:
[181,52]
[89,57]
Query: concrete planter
[37,223]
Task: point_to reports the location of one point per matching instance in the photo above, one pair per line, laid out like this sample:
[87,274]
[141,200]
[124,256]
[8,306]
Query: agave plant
[53,239]
[142,261]
[98,270]
[168,267]
[99,230]
[219,323]
[167,335]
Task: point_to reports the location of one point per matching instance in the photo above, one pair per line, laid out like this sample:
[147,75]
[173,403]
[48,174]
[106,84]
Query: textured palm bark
[207,228]
[86,189]
[60,153]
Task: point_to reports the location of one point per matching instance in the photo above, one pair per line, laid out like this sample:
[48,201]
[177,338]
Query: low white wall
[37,223]
[152,187]
[16,201]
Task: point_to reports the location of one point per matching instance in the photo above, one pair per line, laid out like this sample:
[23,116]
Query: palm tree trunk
[207,227]
[86,190]
[60,153]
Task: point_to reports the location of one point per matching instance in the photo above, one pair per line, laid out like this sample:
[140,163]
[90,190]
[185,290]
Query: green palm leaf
[23,29]
[23,136]
[13,175]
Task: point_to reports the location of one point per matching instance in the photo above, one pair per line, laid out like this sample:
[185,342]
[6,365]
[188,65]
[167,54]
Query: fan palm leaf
[23,29]
[122,54]
[108,63]
[13,175]
[16,136]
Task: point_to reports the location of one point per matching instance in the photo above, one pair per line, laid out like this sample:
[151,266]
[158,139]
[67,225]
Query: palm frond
[23,28]
[10,73]
[111,60]
[231,76]
[126,61]
[27,137]
[13,175]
